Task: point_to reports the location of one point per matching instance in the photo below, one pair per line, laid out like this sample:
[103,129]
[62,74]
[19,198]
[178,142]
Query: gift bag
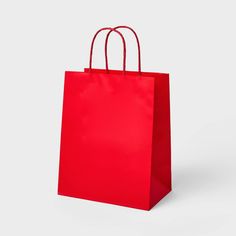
[115,137]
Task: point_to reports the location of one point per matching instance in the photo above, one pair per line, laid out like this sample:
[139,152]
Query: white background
[192,40]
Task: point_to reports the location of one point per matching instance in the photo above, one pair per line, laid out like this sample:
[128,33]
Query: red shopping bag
[115,139]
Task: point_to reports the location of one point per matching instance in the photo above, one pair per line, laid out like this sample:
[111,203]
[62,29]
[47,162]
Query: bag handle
[92,45]
[138,44]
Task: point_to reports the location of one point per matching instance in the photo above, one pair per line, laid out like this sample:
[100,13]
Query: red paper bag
[115,139]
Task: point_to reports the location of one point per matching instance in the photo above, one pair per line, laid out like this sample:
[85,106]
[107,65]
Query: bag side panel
[161,151]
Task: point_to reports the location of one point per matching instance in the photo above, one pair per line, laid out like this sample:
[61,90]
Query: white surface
[192,40]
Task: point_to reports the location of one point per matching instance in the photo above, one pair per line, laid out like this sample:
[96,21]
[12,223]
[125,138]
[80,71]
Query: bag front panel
[106,140]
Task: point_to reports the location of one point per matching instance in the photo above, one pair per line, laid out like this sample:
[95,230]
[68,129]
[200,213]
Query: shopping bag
[115,138]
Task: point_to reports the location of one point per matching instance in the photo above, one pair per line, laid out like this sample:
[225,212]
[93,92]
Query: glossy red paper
[115,139]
